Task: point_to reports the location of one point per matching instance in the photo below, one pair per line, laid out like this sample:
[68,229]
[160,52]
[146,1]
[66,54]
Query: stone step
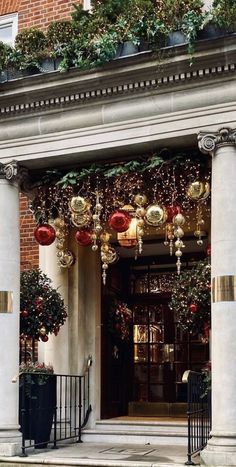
[160,437]
[176,426]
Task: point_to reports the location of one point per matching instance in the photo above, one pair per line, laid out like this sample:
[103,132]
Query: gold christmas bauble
[198,190]
[67,259]
[105,237]
[60,234]
[42,331]
[140,199]
[59,223]
[155,215]
[78,204]
[80,220]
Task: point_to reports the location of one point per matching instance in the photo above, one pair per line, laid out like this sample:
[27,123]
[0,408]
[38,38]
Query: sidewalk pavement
[99,455]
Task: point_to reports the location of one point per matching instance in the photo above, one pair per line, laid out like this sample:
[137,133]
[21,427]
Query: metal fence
[53,408]
[199,413]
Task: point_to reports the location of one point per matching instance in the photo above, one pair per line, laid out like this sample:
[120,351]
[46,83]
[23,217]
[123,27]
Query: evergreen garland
[42,307]
[191,298]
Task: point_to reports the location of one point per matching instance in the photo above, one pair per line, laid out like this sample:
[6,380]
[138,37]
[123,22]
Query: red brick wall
[37,13]
[28,246]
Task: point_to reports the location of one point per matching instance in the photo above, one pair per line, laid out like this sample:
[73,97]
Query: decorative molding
[9,171]
[113,91]
[208,142]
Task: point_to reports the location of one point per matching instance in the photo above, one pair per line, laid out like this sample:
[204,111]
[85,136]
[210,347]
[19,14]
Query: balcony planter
[211,31]
[127,48]
[37,406]
[176,38]
[48,64]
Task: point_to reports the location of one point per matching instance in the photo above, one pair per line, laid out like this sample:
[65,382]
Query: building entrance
[142,373]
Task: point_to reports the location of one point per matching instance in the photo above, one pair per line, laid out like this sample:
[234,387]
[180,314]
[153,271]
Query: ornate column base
[220,450]
[10,441]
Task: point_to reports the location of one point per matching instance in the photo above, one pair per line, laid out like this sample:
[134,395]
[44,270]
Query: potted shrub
[42,307]
[30,49]
[172,12]
[224,14]
[60,36]
[37,402]
[4,53]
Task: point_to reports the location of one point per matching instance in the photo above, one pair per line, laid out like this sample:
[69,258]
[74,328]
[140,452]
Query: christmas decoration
[44,234]
[84,237]
[193,308]
[208,250]
[119,320]
[191,299]
[119,221]
[44,305]
[98,198]
[155,215]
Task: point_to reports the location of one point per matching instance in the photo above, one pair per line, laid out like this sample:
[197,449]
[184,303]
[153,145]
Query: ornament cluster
[191,299]
[122,209]
[119,320]
[42,308]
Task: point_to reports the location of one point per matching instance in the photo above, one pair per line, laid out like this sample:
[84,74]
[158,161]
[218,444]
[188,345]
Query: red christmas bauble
[208,250]
[84,237]
[119,221]
[24,313]
[172,211]
[44,338]
[193,308]
[45,234]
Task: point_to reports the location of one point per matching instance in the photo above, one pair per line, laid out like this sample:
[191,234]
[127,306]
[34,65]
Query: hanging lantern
[84,237]
[128,239]
[44,234]
[119,221]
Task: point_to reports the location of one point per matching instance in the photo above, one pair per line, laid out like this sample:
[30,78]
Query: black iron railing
[199,413]
[53,408]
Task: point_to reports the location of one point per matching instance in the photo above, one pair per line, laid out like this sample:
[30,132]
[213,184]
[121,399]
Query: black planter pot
[176,38]
[211,31]
[127,48]
[37,407]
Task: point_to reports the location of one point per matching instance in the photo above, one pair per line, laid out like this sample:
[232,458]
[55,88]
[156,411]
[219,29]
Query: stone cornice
[134,75]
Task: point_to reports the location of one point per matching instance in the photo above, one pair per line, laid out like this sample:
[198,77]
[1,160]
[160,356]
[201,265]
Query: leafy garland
[191,298]
[118,169]
[42,307]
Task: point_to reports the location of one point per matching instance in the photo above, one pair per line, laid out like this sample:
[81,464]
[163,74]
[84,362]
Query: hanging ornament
[59,223]
[84,237]
[119,220]
[24,313]
[77,204]
[66,259]
[44,338]
[80,220]
[179,221]
[198,190]
[193,308]
[44,234]
[199,233]
[208,249]
[155,215]
[172,211]
[140,199]
[97,227]
[42,331]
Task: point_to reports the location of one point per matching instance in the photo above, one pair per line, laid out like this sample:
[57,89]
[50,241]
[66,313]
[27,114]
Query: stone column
[221,448]
[10,437]
[56,350]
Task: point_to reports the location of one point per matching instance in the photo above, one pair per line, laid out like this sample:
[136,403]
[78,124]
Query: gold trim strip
[224,289]
[6,301]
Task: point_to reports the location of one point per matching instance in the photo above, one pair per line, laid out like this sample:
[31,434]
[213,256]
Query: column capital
[15,173]
[209,141]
